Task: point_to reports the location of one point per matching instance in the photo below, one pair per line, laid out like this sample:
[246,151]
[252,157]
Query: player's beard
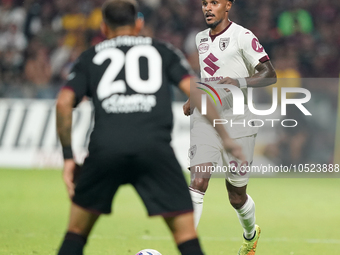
[214,25]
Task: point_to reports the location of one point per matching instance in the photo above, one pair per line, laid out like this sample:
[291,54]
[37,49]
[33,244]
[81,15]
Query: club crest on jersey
[203,48]
[224,42]
[192,151]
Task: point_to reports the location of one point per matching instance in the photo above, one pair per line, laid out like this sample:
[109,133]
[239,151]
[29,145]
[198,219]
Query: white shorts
[210,150]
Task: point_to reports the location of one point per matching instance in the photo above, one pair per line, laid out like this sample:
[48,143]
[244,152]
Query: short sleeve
[77,80]
[251,48]
[196,40]
[178,67]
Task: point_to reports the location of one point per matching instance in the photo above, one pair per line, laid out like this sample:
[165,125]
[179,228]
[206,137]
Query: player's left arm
[265,75]
[184,85]
[65,102]
[256,57]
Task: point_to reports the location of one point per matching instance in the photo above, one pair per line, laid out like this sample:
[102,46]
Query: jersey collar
[212,37]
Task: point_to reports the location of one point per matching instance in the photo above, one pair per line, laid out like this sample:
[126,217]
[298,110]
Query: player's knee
[200,184]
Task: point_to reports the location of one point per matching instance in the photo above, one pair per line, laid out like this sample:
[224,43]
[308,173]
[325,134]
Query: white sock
[246,215]
[197,201]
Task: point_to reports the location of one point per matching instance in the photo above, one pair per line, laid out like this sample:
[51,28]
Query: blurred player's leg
[80,225]
[184,233]
[245,209]
[198,186]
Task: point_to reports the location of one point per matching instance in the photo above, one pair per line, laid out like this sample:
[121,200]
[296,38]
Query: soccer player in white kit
[230,54]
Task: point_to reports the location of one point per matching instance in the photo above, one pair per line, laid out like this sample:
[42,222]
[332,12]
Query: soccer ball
[148,252]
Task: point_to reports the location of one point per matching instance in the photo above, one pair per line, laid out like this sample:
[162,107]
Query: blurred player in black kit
[128,78]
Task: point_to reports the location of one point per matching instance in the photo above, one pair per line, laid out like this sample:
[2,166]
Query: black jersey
[128,79]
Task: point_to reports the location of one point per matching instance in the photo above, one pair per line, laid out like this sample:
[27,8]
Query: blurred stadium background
[39,41]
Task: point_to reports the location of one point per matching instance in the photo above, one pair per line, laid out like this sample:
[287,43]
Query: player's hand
[70,174]
[234,148]
[186,108]
[228,80]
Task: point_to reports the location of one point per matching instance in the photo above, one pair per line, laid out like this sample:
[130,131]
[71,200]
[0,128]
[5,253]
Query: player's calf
[237,201]
[244,207]
[80,225]
[237,195]
[184,233]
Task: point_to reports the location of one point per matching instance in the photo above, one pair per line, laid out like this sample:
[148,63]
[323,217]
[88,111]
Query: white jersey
[234,53]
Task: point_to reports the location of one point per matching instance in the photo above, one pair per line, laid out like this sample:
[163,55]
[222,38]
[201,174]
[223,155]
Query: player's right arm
[65,102]
[188,84]
[188,109]
[69,96]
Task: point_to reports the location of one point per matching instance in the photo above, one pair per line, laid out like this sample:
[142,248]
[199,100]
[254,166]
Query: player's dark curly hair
[117,13]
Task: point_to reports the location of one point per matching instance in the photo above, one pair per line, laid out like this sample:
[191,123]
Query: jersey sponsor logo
[211,68]
[224,42]
[129,103]
[256,45]
[192,151]
[204,40]
[203,48]
[213,79]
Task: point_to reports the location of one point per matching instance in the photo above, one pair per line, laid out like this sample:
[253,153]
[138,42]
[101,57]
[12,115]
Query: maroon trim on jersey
[214,36]
[67,87]
[264,59]
[187,76]
[172,214]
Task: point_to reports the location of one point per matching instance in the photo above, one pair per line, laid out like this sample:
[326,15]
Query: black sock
[73,244]
[250,238]
[191,247]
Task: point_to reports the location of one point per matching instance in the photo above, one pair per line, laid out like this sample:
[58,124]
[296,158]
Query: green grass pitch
[297,216]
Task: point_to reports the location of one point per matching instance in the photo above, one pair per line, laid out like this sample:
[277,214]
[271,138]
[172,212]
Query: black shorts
[154,172]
